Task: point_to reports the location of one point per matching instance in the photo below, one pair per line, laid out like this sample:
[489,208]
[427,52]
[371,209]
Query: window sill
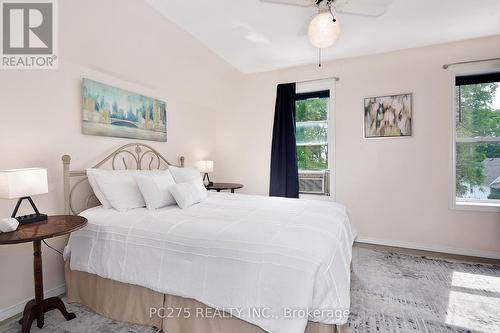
[476,206]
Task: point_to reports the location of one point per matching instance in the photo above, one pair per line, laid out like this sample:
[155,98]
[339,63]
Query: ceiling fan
[324,28]
[371,8]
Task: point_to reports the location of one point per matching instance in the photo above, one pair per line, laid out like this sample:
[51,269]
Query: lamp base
[31,218]
[208,182]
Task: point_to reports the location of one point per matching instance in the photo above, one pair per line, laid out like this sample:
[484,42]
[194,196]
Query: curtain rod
[445,66]
[335,78]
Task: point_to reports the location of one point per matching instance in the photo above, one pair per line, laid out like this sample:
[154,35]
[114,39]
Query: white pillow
[182,175]
[91,173]
[154,189]
[120,189]
[188,193]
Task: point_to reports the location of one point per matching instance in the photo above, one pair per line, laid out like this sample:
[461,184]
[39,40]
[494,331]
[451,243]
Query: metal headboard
[130,156]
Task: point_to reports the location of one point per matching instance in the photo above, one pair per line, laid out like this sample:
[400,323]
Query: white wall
[127,45]
[396,189]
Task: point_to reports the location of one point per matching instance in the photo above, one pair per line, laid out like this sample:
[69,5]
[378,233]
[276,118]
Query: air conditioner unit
[314,182]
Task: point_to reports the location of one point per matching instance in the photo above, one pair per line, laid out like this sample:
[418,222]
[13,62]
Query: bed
[233,263]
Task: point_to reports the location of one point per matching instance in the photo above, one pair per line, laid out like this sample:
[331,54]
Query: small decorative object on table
[206,167]
[37,232]
[22,184]
[224,186]
[8,224]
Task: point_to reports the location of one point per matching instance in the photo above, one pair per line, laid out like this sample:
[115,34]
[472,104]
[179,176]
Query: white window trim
[466,204]
[318,85]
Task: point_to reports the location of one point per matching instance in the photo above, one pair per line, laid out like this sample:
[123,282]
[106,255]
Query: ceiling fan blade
[300,3]
[370,8]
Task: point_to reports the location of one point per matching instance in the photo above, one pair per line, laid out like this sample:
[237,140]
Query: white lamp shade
[205,166]
[323,32]
[19,183]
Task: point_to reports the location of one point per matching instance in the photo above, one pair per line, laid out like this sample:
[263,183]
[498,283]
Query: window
[477,140]
[312,116]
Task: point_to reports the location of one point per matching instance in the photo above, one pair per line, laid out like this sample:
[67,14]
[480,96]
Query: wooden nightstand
[36,232]
[224,186]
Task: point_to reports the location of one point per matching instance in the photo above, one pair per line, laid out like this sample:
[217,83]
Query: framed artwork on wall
[388,116]
[111,111]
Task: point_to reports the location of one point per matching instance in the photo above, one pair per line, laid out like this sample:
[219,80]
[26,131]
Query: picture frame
[388,116]
[111,111]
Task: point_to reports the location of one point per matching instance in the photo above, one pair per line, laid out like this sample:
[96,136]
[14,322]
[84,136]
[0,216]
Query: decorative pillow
[91,173]
[154,189]
[182,175]
[120,188]
[188,193]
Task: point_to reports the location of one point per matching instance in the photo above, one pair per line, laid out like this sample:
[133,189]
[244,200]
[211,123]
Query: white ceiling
[254,36]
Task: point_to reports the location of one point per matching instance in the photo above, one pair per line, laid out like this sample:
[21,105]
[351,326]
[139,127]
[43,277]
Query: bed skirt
[133,304]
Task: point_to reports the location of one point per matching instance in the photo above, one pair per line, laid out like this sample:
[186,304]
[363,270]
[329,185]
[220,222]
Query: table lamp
[22,184]
[206,167]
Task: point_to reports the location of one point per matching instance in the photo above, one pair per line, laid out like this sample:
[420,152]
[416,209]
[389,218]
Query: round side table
[224,186]
[36,232]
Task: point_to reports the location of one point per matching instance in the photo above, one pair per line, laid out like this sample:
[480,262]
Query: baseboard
[19,307]
[428,247]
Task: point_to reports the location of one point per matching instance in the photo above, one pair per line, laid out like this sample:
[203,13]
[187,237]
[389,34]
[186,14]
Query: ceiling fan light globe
[323,32]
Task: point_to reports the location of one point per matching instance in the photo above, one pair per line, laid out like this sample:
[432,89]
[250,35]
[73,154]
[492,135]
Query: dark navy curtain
[284,170]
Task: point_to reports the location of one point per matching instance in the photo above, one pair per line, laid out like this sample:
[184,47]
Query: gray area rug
[390,292]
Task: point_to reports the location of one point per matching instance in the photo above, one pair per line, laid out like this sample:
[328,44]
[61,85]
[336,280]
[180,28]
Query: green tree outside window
[475,117]
[312,133]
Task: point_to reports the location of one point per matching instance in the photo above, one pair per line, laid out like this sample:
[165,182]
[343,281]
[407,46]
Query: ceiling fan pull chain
[319,49]
[330,4]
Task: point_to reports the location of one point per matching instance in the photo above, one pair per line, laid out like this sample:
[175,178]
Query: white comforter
[268,261]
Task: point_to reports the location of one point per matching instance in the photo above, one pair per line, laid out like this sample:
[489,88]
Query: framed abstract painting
[111,111]
[388,116]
